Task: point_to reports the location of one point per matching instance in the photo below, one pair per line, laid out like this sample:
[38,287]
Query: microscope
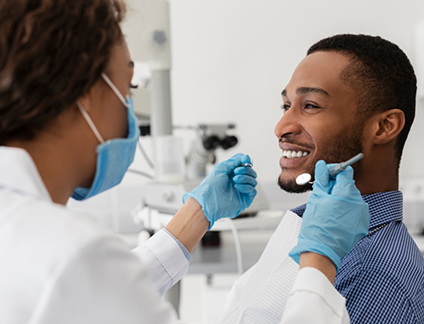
[175,173]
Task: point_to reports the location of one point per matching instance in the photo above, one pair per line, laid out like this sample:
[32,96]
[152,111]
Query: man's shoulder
[384,268]
[390,254]
[393,249]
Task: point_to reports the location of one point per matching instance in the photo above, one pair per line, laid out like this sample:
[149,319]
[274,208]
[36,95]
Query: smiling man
[350,94]
[334,110]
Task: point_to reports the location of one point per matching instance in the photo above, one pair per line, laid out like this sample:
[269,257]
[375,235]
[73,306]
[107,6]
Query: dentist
[68,129]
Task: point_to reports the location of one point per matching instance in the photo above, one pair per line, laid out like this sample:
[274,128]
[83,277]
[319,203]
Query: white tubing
[237,244]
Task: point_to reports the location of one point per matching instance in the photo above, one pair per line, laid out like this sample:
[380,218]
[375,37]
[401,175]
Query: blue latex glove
[336,217]
[227,190]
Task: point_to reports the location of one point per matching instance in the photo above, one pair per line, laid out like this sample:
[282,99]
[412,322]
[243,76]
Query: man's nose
[288,125]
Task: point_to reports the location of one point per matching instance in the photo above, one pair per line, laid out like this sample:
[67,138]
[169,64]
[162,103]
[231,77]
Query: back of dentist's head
[51,53]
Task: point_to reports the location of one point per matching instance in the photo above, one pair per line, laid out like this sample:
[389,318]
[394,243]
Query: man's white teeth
[294,154]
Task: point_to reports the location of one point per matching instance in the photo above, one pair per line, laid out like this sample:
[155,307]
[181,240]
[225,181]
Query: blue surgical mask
[113,156]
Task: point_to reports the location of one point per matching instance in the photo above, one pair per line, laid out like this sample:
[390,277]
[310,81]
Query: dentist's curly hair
[51,53]
[380,73]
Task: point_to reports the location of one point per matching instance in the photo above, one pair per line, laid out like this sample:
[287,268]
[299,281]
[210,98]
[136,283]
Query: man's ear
[387,126]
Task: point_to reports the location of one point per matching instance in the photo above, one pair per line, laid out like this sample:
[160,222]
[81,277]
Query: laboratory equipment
[305,178]
[412,188]
[210,137]
[147,30]
[166,196]
[169,159]
[166,199]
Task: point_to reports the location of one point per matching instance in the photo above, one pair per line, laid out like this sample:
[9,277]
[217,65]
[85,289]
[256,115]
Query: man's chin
[291,186]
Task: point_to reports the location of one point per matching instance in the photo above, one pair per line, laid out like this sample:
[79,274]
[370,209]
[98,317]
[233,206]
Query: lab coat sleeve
[165,260]
[313,299]
[101,281]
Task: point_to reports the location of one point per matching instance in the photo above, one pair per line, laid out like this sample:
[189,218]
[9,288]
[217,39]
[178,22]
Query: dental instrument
[305,178]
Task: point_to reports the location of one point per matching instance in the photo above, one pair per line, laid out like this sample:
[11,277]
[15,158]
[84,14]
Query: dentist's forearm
[319,262]
[189,224]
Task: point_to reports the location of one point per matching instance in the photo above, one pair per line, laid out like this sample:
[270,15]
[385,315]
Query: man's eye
[133,86]
[285,107]
[310,106]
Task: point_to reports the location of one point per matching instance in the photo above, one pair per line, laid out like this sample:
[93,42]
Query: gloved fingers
[229,165]
[243,179]
[322,178]
[347,190]
[252,196]
[246,171]
[345,186]
[345,175]
[246,189]
[246,159]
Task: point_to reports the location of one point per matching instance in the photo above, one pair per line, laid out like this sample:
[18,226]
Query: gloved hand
[227,190]
[336,217]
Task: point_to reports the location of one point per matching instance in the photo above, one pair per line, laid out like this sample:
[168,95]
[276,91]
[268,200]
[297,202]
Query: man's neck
[377,183]
[378,175]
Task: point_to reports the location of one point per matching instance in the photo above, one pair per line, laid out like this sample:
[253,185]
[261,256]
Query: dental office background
[230,61]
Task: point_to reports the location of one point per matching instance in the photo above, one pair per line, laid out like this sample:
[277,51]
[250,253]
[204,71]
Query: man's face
[319,121]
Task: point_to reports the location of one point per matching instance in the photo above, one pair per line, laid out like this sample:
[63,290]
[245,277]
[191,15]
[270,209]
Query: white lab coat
[313,299]
[59,267]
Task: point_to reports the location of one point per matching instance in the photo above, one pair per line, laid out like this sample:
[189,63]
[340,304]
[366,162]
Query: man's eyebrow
[306,90]
[131,64]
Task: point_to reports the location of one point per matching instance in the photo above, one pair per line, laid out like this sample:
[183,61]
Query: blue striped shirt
[382,278]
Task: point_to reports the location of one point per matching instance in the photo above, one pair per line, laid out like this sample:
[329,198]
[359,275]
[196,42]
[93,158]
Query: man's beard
[339,150]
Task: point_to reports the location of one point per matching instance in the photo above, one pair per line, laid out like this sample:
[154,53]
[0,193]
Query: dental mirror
[303,179]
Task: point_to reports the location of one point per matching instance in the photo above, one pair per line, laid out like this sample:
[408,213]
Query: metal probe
[305,178]
[335,170]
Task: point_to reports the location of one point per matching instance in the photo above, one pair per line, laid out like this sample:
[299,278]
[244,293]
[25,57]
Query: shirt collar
[384,207]
[19,173]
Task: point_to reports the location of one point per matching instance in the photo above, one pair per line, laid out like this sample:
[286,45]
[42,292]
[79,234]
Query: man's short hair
[380,73]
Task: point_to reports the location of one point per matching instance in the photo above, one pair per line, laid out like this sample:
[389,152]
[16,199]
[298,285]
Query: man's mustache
[290,141]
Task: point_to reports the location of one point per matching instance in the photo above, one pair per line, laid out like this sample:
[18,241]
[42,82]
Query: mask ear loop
[90,123]
[115,89]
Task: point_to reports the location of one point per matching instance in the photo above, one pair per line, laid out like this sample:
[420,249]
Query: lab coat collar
[19,173]
[384,207]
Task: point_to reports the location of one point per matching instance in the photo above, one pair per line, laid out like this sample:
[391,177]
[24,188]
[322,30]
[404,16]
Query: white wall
[232,58]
